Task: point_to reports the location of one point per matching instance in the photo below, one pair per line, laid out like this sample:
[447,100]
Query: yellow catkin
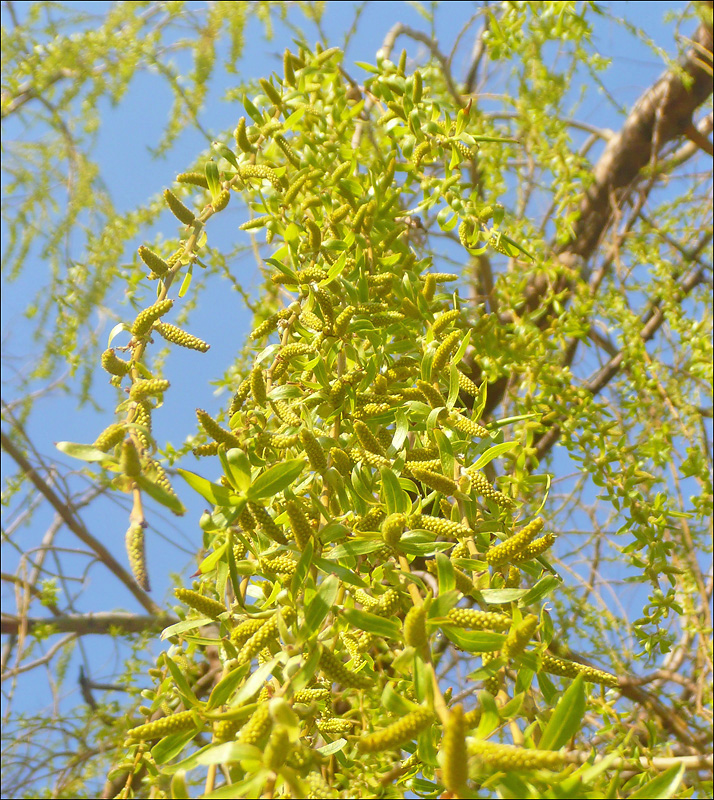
[415,627]
[174,723]
[313,449]
[241,137]
[280,565]
[445,320]
[402,731]
[299,523]
[259,171]
[193,178]
[508,758]
[443,352]
[146,318]
[178,209]
[257,386]
[215,431]
[435,481]
[204,605]
[177,336]
[465,425]
[455,767]
[110,437]
[534,549]
[257,727]
[145,388]
[519,637]
[334,725]
[433,395]
[136,554]
[367,439]
[479,620]
[571,669]
[317,695]
[225,730]
[222,200]
[113,364]
[242,632]
[503,553]
[484,488]
[420,153]
[392,528]
[467,385]
[266,523]
[277,749]
[444,527]
[336,672]
[266,633]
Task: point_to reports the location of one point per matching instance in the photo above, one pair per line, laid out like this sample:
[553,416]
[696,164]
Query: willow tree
[407,580]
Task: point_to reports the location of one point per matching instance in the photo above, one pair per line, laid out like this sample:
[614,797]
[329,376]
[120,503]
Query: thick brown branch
[88,624]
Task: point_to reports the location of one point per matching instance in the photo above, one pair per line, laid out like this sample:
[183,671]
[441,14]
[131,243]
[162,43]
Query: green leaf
[186,282]
[252,111]
[490,718]
[275,479]
[209,562]
[543,588]
[212,178]
[293,119]
[224,689]
[161,496]
[84,452]
[494,452]
[565,720]
[441,606]
[395,498]
[372,623]
[474,641]
[236,466]
[320,605]
[444,574]
[181,682]
[663,786]
[213,492]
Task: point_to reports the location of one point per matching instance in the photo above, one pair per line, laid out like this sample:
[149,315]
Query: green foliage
[377,515]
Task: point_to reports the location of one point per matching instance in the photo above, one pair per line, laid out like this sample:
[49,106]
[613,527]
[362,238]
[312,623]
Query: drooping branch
[77,526]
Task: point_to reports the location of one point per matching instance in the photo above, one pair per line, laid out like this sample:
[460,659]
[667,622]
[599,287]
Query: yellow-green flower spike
[367,439]
[443,322]
[444,527]
[479,620]
[259,171]
[299,523]
[334,725]
[484,488]
[257,386]
[267,633]
[405,730]
[136,554]
[313,448]
[465,425]
[371,520]
[571,669]
[277,749]
[336,672]
[178,209]
[146,318]
[174,723]
[215,431]
[110,437]
[508,758]
[534,549]
[420,153]
[415,627]
[388,603]
[435,480]
[155,263]
[280,565]
[455,766]
[204,605]
[204,450]
[467,385]
[146,388]
[257,727]
[225,730]
[241,633]
[503,553]
[433,395]
[519,637]
[392,528]
[444,351]
[266,523]
[239,398]
[177,336]
[193,178]
[222,200]
[241,137]
[317,695]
